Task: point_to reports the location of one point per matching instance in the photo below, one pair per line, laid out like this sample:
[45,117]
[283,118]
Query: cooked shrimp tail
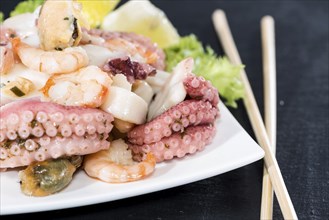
[115,165]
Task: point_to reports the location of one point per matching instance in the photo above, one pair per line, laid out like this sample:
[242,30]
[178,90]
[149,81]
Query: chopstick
[269,74]
[225,36]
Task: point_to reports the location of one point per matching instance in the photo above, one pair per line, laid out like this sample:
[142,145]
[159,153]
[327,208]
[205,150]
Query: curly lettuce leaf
[1,17]
[222,74]
[26,6]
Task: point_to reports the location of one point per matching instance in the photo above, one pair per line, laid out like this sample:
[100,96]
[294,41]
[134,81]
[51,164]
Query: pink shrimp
[68,60]
[7,59]
[115,165]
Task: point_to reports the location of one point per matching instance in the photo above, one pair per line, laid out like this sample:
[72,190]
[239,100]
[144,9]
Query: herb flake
[17,91]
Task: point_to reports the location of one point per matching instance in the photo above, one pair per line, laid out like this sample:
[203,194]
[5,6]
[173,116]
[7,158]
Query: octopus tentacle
[22,153]
[185,128]
[199,88]
[177,145]
[33,131]
[27,121]
[176,119]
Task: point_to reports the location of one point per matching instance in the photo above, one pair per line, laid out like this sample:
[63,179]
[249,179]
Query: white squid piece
[173,91]
[144,90]
[25,27]
[125,105]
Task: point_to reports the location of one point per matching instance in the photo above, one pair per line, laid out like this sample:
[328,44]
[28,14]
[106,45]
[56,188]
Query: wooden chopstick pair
[266,142]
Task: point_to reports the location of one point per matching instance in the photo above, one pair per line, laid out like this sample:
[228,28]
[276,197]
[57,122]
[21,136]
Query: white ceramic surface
[231,148]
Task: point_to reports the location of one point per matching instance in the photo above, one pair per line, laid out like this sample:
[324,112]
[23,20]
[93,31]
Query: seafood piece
[65,61]
[176,119]
[122,82]
[86,87]
[46,177]
[158,80]
[6,34]
[24,26]
[59,24]
[17,72]
[173,91]
[76,160]
[122,126]
[124,55]
[31,130]
[199,88]
[194,139]
[116,99]
[98,55]
[131,69]
[115,165]
[125,105]
[139,48]
[18,88]
[181,83]
[186,126]
[7,59]
[144,90]
[116,63]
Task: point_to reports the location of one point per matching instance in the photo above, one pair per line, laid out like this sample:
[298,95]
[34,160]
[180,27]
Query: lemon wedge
[96,10]
[144,18]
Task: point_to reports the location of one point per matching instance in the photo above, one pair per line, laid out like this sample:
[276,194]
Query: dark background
[302,135]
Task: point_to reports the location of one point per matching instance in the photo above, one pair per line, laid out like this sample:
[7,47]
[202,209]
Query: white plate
[231,148]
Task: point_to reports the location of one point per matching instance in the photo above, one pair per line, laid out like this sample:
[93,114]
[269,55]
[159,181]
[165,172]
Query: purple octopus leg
[199,88]
[32,130]
[177,145]
[176,119]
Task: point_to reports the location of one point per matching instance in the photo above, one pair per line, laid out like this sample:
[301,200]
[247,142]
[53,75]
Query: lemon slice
[96,10]
[144,18]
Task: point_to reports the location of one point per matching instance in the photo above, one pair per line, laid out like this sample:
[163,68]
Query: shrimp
[7,59]
[124,46]
[86,87]
[137,47]
[59,24]
[65,61]
[115,165]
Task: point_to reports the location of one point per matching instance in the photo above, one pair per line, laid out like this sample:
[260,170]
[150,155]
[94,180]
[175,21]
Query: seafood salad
[101,102]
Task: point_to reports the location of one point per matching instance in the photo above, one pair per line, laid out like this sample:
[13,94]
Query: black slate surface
[302,136]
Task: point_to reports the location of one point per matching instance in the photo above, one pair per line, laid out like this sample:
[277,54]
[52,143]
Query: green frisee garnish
[1,16]
[26,6]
